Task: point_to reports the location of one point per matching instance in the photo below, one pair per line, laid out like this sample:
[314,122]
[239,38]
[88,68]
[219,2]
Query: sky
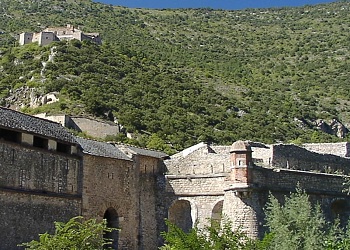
[215,4]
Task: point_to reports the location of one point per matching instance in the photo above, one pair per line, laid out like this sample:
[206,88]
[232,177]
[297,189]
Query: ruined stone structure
[47,175]
[50,35]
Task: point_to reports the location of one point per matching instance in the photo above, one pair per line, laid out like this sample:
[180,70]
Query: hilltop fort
[50,35]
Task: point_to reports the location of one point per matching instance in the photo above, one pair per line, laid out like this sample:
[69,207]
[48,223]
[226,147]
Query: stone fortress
[50,35]
[47,175]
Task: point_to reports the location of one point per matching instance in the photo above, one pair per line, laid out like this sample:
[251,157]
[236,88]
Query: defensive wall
[40,178]
[341,149]
[241,189]
[47,175]
[92,127]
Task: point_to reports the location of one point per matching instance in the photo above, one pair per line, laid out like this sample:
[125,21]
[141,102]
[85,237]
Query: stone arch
[216,213]
[340,210]
[111,216]
[183,213]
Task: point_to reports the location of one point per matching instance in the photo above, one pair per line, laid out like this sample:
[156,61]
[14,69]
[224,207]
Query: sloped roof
[26,123]
[102,149]
[143,151]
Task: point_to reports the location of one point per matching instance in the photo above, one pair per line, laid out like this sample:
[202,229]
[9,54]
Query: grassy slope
[274,64]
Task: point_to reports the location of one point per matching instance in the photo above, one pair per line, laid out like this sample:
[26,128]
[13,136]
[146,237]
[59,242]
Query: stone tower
[241,203]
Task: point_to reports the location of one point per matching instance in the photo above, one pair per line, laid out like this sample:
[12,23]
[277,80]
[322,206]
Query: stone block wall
[201,161]
[24,215]
[149,170]
[341,149]
[294,157]
[202,192]
[111,184]
[287,180]
[95,128]
[29,168]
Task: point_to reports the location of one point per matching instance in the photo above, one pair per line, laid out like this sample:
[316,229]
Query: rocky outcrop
[335,127]
[28,97]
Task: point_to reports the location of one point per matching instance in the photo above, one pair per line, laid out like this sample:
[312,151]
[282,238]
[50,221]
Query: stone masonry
[47,175]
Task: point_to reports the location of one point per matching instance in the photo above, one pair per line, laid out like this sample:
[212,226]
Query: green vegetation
[76,234]
[177,77]
[294,225]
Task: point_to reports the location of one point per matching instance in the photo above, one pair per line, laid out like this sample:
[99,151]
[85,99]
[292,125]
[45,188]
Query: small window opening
[40,142]
[9,135]
[63,148]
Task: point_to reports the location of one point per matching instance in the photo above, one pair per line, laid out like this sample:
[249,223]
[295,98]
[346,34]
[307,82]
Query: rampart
[341,149]
[92,127]
[34,193]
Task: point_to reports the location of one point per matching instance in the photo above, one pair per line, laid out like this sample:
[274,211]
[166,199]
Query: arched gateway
[111,216]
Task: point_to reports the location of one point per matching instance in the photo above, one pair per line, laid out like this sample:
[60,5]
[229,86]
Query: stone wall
[294,157]
[341,149]
[287,180]
[149,170]
[94,128]
[37,187]
[202,192]
[204,160]
[24,215]
[111,183]
[29,168]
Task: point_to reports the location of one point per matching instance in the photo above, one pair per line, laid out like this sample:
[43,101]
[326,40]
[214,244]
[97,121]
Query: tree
[297,224]
[213,237]
[76,234]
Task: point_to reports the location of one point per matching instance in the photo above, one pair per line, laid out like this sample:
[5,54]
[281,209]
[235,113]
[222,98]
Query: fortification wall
[262,155]
[200,162]
[294,157]
[192,185]
[203,192]
[149,168]
[29,168]
[62,119]
[112,185]
[24,215]
[98,129]
[287,180]
[341,149]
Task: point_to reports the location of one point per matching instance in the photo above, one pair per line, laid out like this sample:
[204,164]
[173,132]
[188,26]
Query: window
[9,135]
[40,142]
[63,148]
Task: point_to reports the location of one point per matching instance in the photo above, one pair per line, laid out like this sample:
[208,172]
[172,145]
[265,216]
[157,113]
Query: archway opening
[339,210]
[180,215]
[111,217]
[216,213]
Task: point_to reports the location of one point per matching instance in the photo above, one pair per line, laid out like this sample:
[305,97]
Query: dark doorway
[111,217]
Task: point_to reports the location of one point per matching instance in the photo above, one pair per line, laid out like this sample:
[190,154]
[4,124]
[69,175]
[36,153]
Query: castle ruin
[50,35]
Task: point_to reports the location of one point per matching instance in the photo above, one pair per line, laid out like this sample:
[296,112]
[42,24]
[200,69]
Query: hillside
[189,75]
